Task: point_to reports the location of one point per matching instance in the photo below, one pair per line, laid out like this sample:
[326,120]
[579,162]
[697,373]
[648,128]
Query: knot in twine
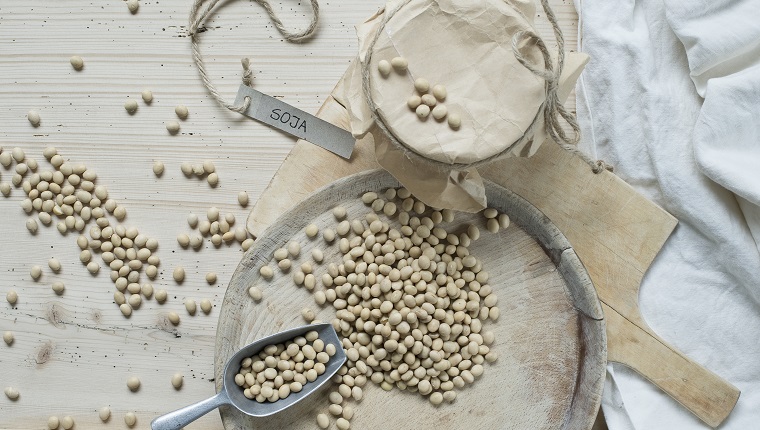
[551,110]
[196,21]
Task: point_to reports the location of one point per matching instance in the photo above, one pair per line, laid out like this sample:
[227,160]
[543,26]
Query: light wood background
[73,353]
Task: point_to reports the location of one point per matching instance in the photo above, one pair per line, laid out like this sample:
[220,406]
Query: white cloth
[671,98]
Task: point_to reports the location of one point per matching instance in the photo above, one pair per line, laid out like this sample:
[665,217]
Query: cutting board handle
[705,394]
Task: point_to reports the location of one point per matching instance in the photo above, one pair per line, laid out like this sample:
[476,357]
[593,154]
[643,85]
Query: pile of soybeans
[410,300]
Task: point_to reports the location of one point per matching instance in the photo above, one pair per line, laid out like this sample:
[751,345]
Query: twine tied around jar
[551,110]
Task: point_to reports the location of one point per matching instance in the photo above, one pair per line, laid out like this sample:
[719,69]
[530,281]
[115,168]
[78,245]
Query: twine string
[553,109]
[196,21]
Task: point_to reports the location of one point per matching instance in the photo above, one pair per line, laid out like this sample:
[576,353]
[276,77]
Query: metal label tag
[296,122]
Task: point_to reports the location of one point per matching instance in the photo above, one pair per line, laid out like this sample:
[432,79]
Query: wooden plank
[703,393]
[73,353]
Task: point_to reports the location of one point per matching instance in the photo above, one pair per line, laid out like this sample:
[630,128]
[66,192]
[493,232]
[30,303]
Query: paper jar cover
[467,47]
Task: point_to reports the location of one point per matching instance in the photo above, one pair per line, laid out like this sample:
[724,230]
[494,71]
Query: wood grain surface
[550,335]
[73,353]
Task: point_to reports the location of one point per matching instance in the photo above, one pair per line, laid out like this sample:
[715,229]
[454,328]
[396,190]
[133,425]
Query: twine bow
[197,20]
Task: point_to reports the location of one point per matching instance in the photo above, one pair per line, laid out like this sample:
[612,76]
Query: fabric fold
[671,99]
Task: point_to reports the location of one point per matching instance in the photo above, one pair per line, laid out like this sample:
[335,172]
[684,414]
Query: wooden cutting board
[615,231]
[550,337]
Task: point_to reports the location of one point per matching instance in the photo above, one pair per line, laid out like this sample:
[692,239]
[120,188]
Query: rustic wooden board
[550,335]
[615,231]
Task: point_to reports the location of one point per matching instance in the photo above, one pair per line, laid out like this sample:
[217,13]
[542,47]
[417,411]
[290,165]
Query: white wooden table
[73,353]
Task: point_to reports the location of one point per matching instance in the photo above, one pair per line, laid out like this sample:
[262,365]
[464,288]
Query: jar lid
[465,46]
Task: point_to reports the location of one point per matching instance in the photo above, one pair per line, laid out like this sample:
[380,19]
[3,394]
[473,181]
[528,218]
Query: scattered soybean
[181,111]
[130,106]
[172,127]
[158,168]
[34,118]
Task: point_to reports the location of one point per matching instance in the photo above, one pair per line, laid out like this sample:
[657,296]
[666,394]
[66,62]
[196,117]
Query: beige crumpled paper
[465,46]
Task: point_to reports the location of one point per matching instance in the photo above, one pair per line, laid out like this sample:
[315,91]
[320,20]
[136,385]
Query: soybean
[503,220]
[414,101]
[191,306]
[181,111]
[266,272]
[311,230]
[76,62]
[158,168]
[308,315]
[133,5]
[183,240]
[213,179]
[11,393]
[384,67]
[35,272]
[211,278]
[439,112]
[161,296]
[67,423]
[173,318]
[206,306]
[243,198]
[422,85]
[172,127]
[294,248]
[323,421]
[179,274]
[429,100]
[339,212]
[104,413]
[125,309]
[177,380]
[455,121]
[192,220]
[130,419]
[53,422]
[423,111]
[58,287]
[212,214]
[400,64]
[255,293]
[94,267]
[34,118]
[439,91]
[130,106]
[11,297]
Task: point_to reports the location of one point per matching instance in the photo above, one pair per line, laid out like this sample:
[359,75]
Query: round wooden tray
[550,336]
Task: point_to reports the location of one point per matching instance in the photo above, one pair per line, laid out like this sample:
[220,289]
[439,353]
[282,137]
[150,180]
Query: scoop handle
[182,417]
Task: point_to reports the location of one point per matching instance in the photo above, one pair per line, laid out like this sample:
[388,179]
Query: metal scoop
[232,394]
